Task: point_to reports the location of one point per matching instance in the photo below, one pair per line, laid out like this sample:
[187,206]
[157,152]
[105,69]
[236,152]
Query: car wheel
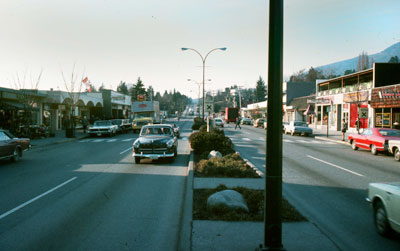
[170,160]
[16,155]
[380,219]
[373,150]
[137,160]
[397,154]
[353,145]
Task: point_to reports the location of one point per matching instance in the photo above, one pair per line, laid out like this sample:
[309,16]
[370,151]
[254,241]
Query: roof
[301,102]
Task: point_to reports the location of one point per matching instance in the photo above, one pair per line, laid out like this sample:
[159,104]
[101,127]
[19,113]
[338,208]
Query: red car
[374,139]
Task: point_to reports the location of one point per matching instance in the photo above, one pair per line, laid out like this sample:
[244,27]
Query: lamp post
[198,84]
[203,59]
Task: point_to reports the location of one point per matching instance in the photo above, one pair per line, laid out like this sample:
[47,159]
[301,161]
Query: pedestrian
[238,123]
[84,124]
[358,125]
[344,129]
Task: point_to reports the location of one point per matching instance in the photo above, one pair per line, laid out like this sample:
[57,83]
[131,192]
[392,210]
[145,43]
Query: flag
[85,80]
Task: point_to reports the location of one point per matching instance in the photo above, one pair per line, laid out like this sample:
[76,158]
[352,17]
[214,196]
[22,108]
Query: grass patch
[255,203]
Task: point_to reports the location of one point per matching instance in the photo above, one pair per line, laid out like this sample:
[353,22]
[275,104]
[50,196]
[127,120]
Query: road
[89,195]
[327,182]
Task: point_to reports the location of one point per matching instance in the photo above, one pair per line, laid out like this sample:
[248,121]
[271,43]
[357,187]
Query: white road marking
[288,140]
[339,167]
[261,138]
[111,140]
[84,141]
[36,198]
[98,140]
[261,158]
[246,139]
[241,145]
[130,148]
[128,139]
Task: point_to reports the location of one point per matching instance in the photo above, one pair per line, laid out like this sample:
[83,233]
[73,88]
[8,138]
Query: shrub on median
[231,165]
[197,123]
[202,141]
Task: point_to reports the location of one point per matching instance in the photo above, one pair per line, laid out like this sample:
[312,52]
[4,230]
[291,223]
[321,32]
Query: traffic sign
[363,113]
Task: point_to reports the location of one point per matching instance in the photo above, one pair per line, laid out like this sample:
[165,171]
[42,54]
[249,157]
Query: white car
[298,127]
[103,127]
[219,122]
[385,202]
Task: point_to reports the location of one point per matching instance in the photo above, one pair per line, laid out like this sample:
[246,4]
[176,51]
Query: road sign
[363,113]
[209,107]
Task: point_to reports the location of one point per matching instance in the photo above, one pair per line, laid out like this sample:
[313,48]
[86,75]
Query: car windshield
[117,121]
[390,133]
[300,124]
[4,136]
[102,123]
[147,131]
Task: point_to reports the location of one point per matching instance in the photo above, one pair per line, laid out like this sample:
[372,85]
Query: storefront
[386,104]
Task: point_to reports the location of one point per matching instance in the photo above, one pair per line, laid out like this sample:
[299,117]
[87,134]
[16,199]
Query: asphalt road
[327,182]
[89,195]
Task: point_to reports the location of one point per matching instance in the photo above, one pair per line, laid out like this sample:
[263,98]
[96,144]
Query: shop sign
[386,97]
[345,107]
[319,101]
[141,97]
[382,120]
[355,97]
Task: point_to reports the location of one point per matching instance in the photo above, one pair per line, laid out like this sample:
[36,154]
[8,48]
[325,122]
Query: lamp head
[184,49]
[223,49]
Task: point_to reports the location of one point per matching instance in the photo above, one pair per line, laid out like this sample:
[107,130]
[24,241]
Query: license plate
[153,157]
[99,134]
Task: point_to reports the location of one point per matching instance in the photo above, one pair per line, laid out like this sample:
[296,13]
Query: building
[293,90]
[357,96]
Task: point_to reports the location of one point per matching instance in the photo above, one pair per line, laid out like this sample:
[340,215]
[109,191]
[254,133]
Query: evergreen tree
[122,88]
[261,90]
[394,59]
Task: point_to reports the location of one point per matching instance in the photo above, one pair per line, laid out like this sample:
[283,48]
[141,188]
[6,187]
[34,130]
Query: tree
[122,88]
[150,93]
[348,71]
[394,59]
[102,87]
[363,61]
[137,89]
[261,90]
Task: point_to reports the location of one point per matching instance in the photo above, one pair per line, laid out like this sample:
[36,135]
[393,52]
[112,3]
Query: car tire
[170,160]
[396,154]
[137,160]
[373,150]
[16,155]
[354,146]
[381,220]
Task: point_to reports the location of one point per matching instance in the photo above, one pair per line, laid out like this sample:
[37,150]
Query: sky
[110,41]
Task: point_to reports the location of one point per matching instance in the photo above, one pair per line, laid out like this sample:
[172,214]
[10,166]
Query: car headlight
[134,124]
[136,144]
[170,143]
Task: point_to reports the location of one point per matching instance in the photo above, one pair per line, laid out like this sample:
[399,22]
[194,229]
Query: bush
[231,165]
[198,122]
[202,141]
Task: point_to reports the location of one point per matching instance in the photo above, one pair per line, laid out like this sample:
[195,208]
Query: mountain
[338,68]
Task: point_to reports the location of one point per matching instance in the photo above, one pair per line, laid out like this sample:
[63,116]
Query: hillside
[338,68]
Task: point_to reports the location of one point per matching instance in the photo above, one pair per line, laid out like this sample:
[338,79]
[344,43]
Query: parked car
[246,121]
[219,122]
[298,127]
[154,142]
[385,202]
[394,148]
[12,147]
[374,139]
[284,124]
[123,125]
[103,127]
[259,123]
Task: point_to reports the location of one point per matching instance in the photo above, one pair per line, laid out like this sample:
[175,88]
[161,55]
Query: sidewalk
[59,138]
[333,136]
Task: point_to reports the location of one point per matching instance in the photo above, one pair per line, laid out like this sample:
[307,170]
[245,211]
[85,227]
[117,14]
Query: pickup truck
[103,127]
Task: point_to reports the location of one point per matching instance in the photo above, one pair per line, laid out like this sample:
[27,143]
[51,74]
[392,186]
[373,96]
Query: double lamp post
[203,59]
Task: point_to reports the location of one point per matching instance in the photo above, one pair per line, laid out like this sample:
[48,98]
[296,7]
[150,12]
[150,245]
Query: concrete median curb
[332,140]
[185,237]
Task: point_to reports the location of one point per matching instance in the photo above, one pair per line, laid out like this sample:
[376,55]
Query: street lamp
[198,84]
[203,59]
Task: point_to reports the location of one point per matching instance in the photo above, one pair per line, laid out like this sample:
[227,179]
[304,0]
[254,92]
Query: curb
[332,140]
[185,237]
[261,174]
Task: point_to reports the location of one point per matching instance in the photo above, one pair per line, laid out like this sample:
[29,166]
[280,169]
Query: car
[12,147]
[374,139]
[385,202]
[298,127]
[219,122]
[123,125]
[259,123]
[103,127]
[246,121]
[155,142]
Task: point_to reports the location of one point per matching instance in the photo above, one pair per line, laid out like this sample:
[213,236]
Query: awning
[15,105]
[310,110]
